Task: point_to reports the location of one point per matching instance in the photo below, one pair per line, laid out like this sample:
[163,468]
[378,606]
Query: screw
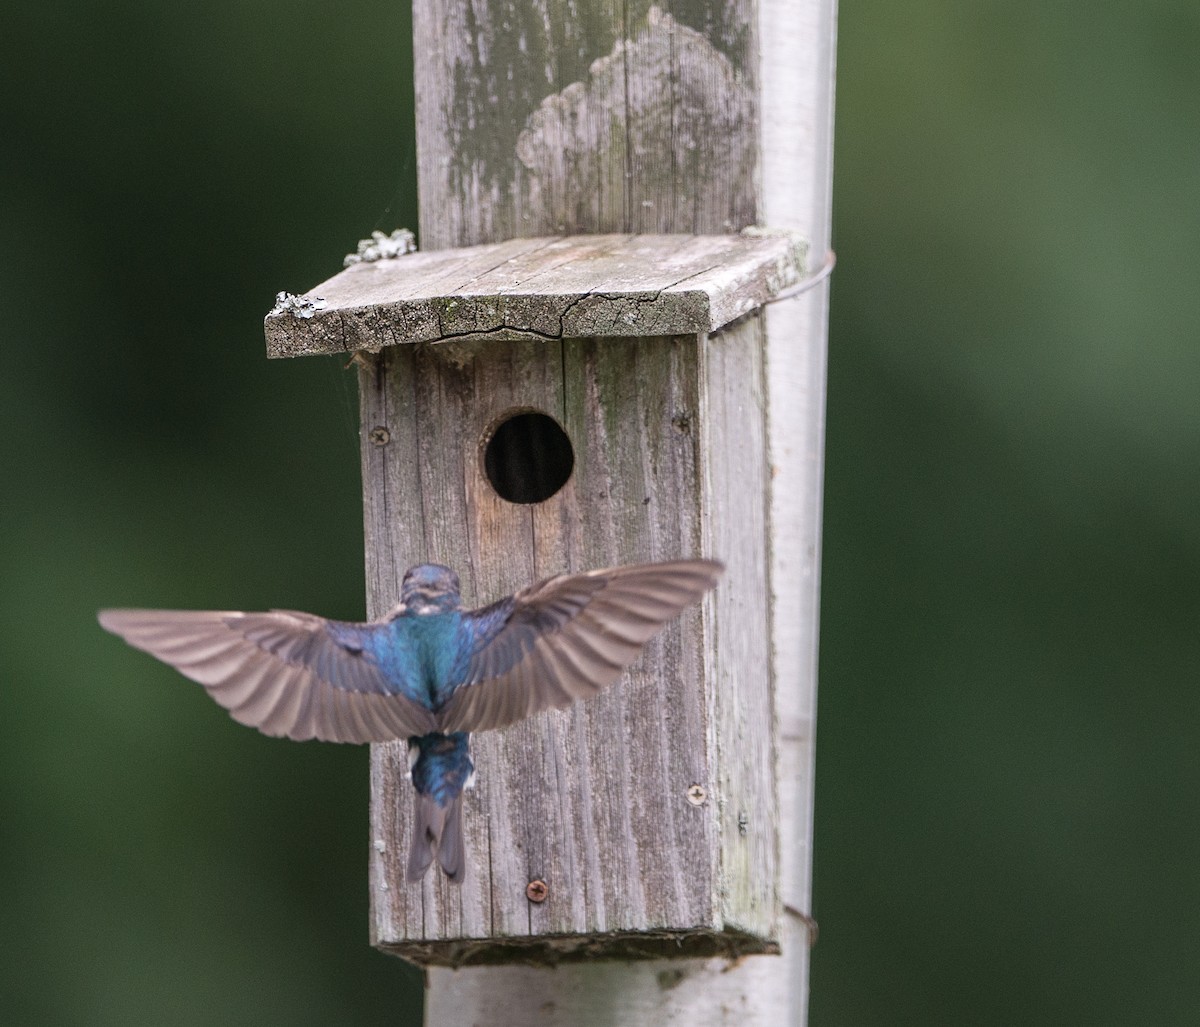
[696,795]
[380,436]
[537,890]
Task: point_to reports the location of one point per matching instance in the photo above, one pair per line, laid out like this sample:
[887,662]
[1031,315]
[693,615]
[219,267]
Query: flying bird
[427,671]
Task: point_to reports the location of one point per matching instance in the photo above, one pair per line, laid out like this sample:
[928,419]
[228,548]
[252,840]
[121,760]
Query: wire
[806,284]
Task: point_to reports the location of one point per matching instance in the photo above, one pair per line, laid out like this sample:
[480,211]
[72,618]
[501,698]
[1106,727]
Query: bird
[428,671]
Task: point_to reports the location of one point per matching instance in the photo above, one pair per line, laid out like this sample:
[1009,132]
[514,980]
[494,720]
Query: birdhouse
[561,404]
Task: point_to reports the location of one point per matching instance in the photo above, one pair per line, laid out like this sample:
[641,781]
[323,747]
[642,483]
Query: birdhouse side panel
[736,501]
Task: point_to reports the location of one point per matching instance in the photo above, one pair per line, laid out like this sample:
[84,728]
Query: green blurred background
[1007,762]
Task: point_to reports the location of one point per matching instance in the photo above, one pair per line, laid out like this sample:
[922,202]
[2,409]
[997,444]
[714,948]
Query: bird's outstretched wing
[566,638]
[285,673]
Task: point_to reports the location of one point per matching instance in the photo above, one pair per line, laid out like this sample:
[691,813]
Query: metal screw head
[537,890]
[696,795]
[380,436]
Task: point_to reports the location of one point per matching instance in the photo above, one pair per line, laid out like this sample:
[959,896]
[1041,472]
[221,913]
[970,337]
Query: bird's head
[430,588]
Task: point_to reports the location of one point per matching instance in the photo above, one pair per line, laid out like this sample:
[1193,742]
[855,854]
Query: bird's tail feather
[437,828]
[450,851]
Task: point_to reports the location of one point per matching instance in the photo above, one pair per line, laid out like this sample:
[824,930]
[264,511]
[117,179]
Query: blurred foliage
[1008,720]
[1007,743]
[168,169]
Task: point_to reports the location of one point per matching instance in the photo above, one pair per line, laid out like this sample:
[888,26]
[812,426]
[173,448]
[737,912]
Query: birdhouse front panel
[641,820]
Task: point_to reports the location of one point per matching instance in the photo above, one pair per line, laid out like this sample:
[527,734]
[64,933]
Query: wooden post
[674,814]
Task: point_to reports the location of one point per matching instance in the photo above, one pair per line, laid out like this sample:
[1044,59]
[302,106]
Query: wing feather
[238,683]
[286,673]
[567,638]
[260,702]
[281,721]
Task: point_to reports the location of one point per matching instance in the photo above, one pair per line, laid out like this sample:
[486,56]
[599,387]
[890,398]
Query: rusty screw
[380,436]
[696,795]
[537,890]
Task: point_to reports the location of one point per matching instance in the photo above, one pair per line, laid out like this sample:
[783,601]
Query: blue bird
[427,671]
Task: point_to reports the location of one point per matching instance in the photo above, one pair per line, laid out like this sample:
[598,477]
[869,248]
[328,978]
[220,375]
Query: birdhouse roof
[557,287]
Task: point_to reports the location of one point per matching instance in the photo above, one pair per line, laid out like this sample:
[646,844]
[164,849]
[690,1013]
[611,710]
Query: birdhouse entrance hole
[527,457]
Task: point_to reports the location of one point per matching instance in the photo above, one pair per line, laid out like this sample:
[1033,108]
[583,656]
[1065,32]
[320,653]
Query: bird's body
[428,671]
[424,650]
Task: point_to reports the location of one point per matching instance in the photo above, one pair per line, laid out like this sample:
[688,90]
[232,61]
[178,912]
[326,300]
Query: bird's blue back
[424,656]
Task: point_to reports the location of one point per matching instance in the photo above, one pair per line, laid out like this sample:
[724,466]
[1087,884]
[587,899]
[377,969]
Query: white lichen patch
[382,247]
[297,306]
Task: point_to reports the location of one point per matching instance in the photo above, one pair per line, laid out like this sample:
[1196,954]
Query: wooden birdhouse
[594,361]
[566,403]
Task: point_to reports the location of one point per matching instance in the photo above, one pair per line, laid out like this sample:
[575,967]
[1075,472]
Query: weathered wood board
[539,117]
[594,800]
[547,288]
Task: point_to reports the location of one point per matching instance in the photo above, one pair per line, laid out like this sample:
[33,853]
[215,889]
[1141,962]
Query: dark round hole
[528,458]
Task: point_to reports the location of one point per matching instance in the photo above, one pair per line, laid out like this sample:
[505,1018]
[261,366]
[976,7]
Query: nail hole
[528,457]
